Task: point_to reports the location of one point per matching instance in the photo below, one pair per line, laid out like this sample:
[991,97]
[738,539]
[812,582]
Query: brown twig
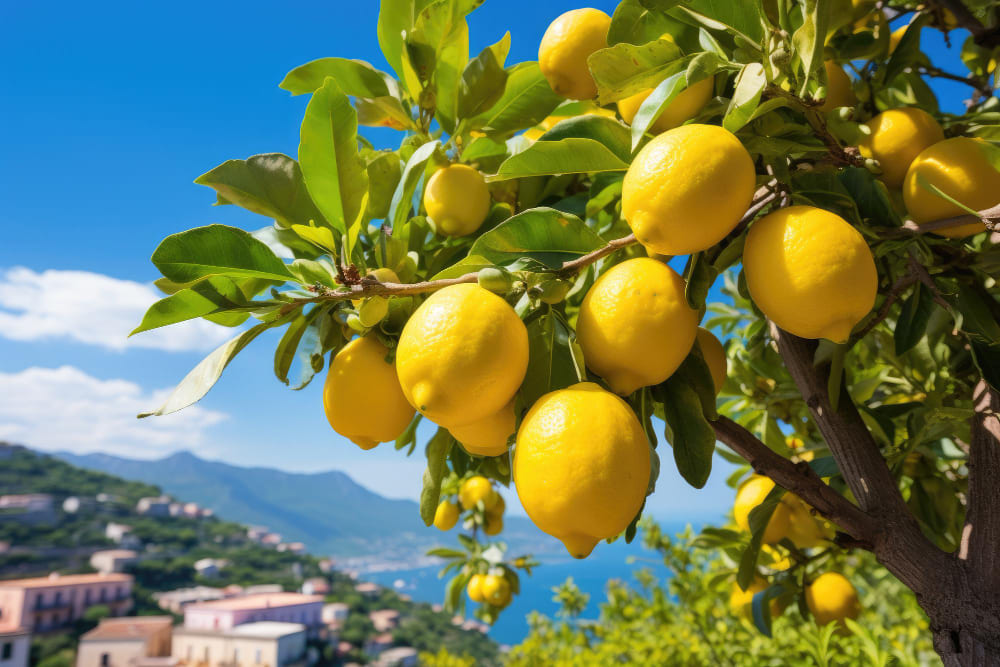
[894,293]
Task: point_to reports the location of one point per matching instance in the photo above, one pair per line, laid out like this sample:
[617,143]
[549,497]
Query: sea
[608,561]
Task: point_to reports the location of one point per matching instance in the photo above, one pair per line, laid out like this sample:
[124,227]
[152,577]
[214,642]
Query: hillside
[327,511]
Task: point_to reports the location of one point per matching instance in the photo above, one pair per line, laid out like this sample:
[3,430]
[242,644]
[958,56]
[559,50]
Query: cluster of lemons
[582,463]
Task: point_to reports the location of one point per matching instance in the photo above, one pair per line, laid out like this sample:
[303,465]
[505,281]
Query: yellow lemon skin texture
[446,515]
[635,326]
[839,92]
[581,465]
[832,598]
[805,530]
[687,189]
[682,108]
[751,494]
[565,47]
[487,436]
[476,489]
[383,275]
[362,397]
[715,357]
[959,167]
[897,137]
[810,272]
[494,524]
[475,588]
[462,355]
[495,590]
[457,200]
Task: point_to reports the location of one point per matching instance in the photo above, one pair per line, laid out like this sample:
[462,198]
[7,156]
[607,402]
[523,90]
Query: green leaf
[607,131]
[760,608]
[977,316]
[551,363]
[542,234]
[396,17]
[203,376]
[759,517]
[694,373]
[216,294]
[328,152]
[688,431]
[270,184]
[217,250]
[699,277]
[626,69]
[810,37]
[567,156]
[742,19]
[913,318]
[437,456]
[655,103]
[355,77]
[527,99]
[402,198]
[749,85]
[384,174]
[634,23]
[907,51]
[871,196]
[483,79]
[288,346]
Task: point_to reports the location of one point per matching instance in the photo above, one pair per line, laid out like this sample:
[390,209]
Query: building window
[6,651]
[257,657]
[58,597]
[105,660]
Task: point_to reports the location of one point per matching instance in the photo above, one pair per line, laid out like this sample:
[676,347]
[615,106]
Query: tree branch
[799,479]
[981,534]
[981,35]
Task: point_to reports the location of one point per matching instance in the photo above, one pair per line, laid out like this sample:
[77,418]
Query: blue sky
[110,111]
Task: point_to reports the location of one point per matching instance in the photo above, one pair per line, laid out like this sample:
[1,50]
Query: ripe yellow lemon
[741,601]
[832,598]
[715,356]
[499,507]
[804,529]
[494,524]
[810,272]
[751,494]
[897,137]
[475,588]
[581,465]
[457,200]
[496,590]
[960,168]
[565,47]
[362,397]
[487,436]
[839,92]
[687,189]
[635,326]
[462,355]
[446,515]
[682,108]
[476,489]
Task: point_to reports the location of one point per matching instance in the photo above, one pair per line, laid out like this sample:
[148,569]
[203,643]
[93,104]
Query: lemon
[499,507]
[565,47]
[960,168]
[487,436]
[778,560]
[715,356]
[810,272]
[635,326]
[741,601]
[475,588]
[383,275]
[446,515]
[494,524]
[897,137]
[462,355]
[475,490]
[682,108]
[751,494]
[362,397]
[687,189]
[839,92]
[457,200]
[804,529]
[832,598]
[495,590]
[581,465]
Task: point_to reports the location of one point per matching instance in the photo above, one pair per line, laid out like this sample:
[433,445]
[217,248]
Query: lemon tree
[691,229]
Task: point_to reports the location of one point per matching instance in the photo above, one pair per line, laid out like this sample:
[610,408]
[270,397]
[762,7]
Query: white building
[118,533]
[263,643]
[154,506]
[175,600]
[15,645]
[401,656]
[335,613]
[209,567]
[113,560]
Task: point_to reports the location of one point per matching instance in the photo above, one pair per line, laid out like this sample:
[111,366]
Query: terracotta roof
[261,601]
[66,580]
[136,627]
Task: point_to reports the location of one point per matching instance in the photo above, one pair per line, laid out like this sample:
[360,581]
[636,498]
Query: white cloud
[66,409]
[94,309]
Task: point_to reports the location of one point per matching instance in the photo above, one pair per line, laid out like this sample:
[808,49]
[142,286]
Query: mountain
[327,511]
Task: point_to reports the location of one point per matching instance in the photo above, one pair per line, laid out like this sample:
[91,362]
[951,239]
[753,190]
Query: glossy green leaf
[542,234]
[742,19]
[688,431]
[568,156]
[551,363]
[302,330]
[634,23]
[810,37]
[483,79]
[355,77]
[270,184]
[438,448]
[395,18]
[215,294]
[527,99]
[402,197]
[913,317]
[384,174]
[328,152]
[607,131]
[626,69]
[217,250]
[749,86]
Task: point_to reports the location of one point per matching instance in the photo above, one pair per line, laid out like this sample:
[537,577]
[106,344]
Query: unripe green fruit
[372,310]
[553,291]
[496,279]
[354,322]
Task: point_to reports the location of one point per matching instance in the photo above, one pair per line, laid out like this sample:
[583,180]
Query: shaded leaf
[438,448]
[217,250]
[542,234]
[567,156]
